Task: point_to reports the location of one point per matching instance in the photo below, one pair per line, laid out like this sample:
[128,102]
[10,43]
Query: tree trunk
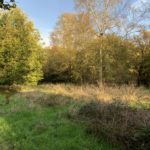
[101,68]
[101,61]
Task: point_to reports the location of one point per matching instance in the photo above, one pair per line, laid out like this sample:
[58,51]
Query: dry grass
[127,94]
[118,123]
[120,114]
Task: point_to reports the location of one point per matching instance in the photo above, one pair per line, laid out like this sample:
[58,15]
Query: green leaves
[19,60]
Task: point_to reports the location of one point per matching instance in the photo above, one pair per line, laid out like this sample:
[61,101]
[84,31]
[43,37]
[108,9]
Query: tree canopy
[19,49]
[7,6]
[98,43]
[75,54]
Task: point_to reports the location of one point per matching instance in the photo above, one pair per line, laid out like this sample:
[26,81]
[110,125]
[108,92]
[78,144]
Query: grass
[134,96]
[25,125]
[64,116]
[118,123]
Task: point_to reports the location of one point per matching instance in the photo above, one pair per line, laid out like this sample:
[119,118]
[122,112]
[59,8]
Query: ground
[26,126]
[38,118]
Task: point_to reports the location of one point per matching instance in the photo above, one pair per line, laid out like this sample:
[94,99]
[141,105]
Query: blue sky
[45,13]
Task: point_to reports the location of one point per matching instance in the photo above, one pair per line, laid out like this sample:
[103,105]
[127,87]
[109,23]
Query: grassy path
[24,126]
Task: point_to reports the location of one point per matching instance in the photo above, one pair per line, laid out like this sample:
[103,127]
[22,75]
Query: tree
[58,65]
[117,60]
[8,6]
[145,75]
[109,16]
[71,34]
[19,49]
[134,18]
[104,18]
[72,31]
[141,57]
[85,67]
[116,57]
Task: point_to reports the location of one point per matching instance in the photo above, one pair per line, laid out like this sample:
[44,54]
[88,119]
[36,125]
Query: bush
[50,100]
[118,123]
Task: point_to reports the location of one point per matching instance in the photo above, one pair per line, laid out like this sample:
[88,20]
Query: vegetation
[128,57]
[35,119]
[20,62]
[7,6]
[64,117]
[90,43]
[99,64]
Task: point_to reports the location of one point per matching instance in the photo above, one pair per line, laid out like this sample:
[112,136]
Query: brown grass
[120,114]
[118,123]
[129,94]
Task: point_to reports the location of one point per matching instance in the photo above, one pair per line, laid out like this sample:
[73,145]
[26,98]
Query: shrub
[45,99]
[118,123]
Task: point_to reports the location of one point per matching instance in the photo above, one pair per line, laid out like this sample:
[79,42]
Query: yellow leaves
[137,54]
[21,51]
[72,31]
[133,71]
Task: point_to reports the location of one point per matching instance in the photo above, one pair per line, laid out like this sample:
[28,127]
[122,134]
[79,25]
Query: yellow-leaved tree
[20,61]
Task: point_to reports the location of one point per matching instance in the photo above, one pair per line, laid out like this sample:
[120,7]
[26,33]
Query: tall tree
[8,6]
[141,61]
[70,35]
[19,49]
[134,17]
[72,31]
[109,16]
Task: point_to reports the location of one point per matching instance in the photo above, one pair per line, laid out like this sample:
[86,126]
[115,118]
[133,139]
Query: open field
[75,75]
[51,117]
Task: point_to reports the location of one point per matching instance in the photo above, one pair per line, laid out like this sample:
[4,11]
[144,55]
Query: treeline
[83,49]
[105,41]
[125,61]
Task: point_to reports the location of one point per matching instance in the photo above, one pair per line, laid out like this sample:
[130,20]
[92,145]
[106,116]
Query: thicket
[104,41]
[125,61]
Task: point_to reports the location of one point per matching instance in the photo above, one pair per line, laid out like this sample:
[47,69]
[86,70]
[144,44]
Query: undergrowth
[87,117]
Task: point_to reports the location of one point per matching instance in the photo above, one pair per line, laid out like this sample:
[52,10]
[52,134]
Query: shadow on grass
[39,120]
[119,123]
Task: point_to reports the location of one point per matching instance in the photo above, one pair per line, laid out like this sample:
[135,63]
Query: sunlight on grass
[44,128]
[134,96]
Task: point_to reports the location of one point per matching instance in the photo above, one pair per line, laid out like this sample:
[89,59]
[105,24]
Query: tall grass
[119,114]
[134,96]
